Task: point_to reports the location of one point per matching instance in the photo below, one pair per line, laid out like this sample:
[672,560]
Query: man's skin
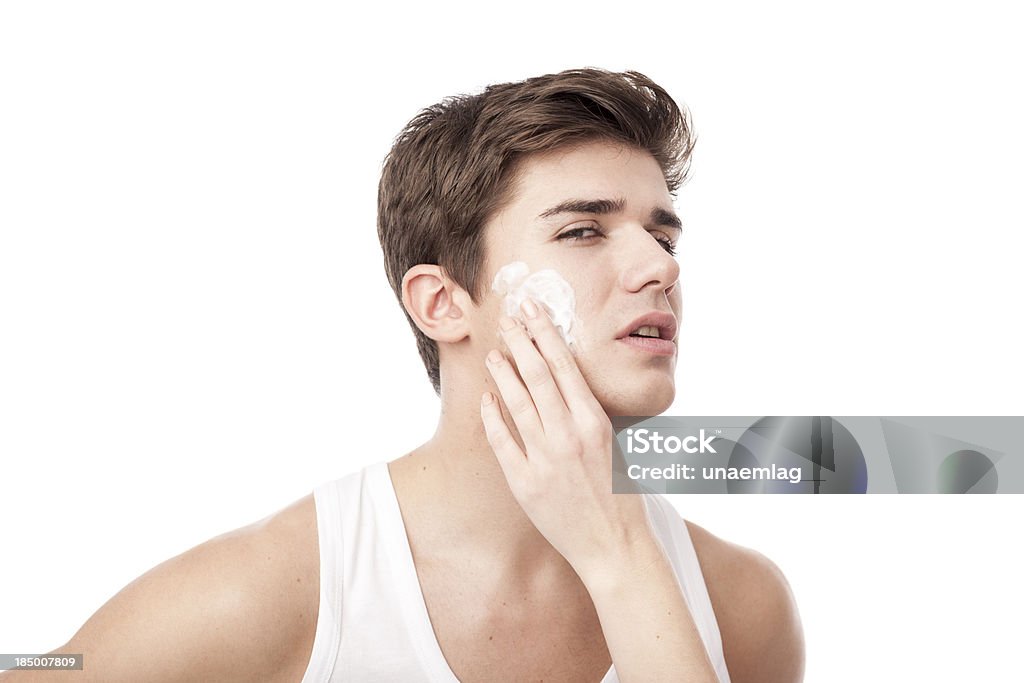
[530,568]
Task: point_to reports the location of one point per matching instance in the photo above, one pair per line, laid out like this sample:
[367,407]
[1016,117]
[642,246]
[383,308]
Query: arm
[560,471]
[236,608]
[558,467]
[647,625]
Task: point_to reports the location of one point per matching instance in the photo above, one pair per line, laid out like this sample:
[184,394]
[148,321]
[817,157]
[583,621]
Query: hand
[560,469]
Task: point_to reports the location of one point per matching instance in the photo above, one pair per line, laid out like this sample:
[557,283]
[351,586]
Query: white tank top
[373,625]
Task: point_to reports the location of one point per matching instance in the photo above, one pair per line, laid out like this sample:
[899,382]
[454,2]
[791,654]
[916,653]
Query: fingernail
[529,308]
[488,398]
[494,356]
[507,323]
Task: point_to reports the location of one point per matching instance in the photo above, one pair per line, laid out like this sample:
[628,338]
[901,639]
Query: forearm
[647,624]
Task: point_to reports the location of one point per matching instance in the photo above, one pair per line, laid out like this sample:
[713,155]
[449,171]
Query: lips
[665,322]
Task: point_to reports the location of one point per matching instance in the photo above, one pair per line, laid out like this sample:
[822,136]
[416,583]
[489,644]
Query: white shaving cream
[545,287]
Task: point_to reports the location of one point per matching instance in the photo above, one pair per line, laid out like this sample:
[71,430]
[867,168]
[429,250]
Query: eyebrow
[602,207]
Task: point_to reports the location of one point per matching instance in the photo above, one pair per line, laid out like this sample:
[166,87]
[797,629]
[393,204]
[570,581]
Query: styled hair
[455,164]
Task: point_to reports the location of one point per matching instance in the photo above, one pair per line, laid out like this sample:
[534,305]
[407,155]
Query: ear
[432,301]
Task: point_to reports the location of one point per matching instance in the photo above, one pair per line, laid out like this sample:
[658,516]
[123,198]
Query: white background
[196,329]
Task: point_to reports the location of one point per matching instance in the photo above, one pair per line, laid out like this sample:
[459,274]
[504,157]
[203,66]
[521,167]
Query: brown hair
[454,165]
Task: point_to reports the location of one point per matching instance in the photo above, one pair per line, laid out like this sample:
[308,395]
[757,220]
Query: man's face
[612,252]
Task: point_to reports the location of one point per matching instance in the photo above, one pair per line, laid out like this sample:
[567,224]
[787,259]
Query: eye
[667,244]
[577,233]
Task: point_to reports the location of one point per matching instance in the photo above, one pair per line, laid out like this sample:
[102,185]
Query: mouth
[653,332]
[647,332]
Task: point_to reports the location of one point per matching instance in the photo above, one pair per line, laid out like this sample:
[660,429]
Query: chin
[641,400]
[624,389]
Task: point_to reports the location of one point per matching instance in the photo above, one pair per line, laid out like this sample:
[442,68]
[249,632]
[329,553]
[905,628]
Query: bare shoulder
[240,607]
[762,637]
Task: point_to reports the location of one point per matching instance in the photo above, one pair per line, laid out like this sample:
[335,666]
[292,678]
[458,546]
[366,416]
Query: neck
[453,491]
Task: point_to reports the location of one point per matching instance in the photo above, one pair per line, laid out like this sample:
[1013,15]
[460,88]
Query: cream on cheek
[515,282]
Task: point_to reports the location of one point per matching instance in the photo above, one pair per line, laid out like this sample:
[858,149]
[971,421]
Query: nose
[648,264]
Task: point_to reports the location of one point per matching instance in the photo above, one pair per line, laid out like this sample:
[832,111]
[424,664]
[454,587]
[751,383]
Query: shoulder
[762,637]
[241,606]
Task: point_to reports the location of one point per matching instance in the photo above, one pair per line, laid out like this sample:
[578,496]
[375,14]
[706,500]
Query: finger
[517,399]
[543,389]
[506,450]
[573,388]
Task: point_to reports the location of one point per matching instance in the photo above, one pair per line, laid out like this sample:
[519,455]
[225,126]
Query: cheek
[675,299]
[484,324]
[587,312]
[593,285]
[595,318]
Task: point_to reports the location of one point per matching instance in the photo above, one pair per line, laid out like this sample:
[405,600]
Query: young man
[496,550]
